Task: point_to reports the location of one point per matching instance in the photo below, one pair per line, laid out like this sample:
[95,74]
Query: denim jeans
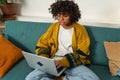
[77,73]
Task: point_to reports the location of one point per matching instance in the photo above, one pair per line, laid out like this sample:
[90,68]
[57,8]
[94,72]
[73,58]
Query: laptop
[42,63]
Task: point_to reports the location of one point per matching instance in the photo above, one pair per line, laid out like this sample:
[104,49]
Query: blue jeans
[77,73]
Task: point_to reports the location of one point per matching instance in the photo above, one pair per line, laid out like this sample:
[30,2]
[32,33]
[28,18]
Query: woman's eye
[66,16]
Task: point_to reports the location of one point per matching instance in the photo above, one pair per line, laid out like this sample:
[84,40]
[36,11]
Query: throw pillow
[9,55]
[113,54]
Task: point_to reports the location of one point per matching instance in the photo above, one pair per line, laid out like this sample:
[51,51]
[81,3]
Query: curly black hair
[65,6]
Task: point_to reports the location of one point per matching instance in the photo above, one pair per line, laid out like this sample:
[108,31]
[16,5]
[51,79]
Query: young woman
[67,42]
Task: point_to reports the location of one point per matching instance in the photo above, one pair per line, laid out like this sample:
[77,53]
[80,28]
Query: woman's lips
[62,23]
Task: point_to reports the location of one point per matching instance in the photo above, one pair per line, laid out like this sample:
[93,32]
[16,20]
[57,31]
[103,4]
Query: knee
[35,75]
[31,77]
[28,78]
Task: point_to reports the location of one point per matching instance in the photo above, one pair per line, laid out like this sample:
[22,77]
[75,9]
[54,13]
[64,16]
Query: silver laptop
[45,64]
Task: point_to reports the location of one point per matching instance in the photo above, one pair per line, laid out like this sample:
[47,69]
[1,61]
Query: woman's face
[63,19]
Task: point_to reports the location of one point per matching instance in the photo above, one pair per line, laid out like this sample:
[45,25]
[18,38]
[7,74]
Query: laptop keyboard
[59,69]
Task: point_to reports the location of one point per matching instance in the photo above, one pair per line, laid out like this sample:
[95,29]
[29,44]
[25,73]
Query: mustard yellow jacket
[48,45]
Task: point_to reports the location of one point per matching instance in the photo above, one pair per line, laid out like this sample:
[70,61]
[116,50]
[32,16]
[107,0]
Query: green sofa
[25,35]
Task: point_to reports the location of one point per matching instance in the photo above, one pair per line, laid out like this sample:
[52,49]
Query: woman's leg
[80,73]
[38,75]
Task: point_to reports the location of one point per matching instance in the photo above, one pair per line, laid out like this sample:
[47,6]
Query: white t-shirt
[64,42]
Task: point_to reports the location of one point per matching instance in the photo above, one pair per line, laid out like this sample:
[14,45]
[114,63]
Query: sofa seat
[18,72]
[21,69]
[103,72]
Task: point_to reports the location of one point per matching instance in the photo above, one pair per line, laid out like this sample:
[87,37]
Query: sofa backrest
[26,34]
[97,36]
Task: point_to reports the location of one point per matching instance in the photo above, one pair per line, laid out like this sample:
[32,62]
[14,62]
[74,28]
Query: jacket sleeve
[80,55]
[42,47]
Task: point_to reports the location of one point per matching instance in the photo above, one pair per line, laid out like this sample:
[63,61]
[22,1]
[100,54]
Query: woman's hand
[58,64]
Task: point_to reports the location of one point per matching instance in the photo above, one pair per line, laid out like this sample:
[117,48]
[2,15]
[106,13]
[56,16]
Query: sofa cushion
[113,54]
[9,55]
[97,37]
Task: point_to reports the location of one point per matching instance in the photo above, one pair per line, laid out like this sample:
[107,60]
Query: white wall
[100,10]
[36,7]
[93,11]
